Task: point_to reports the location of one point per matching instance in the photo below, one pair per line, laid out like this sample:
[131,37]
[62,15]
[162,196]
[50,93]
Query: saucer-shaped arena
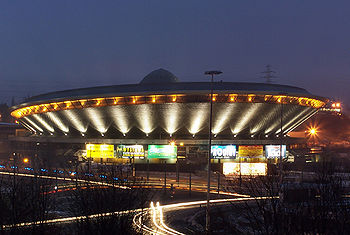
[161,107]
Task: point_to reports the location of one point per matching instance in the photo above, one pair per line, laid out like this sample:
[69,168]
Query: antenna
[268,74]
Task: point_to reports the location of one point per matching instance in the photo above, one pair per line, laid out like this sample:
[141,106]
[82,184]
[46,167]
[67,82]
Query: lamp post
[207,217]
[282,95]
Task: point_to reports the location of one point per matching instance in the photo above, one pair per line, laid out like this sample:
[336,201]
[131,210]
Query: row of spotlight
[170,135]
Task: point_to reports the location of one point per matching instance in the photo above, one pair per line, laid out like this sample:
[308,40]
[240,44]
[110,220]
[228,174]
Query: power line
[268,74]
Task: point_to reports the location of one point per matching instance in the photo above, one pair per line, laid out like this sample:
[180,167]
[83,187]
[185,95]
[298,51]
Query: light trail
[195,188]
[70,219]
[157,218]
[137,220]
[164,229]
[160,210]
[64,179]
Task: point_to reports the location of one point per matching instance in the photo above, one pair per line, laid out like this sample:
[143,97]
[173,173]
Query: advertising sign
[273,151]
[130,151]
[234,168]
[223,151]
[162,151]
[99,150]
[251,151]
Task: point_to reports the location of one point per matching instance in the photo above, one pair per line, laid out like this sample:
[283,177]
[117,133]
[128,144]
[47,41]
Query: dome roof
[159,76]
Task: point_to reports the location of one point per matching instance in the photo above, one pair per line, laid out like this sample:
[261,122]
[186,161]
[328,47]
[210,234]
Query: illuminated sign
[273,151]
[234,168]
[162,151]
[100,151]
[130,151]
[223,151]
[251,151]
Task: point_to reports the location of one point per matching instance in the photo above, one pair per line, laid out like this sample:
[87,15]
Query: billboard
[130,151]
[162,151]
[251,151]
[273,151]
[234,168]
[223,151]
[100,151]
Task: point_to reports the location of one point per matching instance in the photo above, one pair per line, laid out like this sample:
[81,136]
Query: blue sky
[54,45]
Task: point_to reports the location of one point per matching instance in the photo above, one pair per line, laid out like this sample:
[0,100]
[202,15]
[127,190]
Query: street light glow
[313,131]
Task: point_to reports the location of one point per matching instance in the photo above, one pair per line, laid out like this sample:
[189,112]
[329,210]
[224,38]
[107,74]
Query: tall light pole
[207,217]
[282,95]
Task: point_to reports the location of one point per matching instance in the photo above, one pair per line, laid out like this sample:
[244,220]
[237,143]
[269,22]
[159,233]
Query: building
[142,120]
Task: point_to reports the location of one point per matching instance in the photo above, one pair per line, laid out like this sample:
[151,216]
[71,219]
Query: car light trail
[178,206]
[157,212]
[160,210]
[64,179]
[137,220]
[70,219]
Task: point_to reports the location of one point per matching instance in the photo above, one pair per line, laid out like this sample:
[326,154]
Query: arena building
[141,121]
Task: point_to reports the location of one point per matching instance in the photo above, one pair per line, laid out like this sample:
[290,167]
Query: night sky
[55,45]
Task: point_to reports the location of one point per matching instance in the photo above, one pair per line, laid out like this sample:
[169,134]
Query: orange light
[154,100]
[338,105]
[82,102]
[313,131]
[250,99]
[172,143]
[134,100]
[182,144]
[333,105]
[174,98]
[25,160]
[214,98]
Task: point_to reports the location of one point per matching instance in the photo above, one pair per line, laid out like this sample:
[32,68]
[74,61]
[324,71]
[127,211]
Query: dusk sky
[55,45]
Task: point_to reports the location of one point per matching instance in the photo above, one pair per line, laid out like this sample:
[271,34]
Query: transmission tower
[268,74]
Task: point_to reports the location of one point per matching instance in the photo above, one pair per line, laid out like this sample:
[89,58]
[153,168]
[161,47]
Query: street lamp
[313,131]
[207,217]
[280,100]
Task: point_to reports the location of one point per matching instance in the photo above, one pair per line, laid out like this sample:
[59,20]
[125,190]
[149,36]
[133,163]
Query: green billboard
[162,151]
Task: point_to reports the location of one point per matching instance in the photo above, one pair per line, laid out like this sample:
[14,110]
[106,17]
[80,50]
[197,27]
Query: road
[149,220]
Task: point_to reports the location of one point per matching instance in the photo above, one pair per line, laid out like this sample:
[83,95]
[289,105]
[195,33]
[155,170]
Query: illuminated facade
[161,109]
